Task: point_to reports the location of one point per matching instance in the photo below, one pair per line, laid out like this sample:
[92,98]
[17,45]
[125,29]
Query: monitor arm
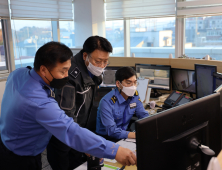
[205,149]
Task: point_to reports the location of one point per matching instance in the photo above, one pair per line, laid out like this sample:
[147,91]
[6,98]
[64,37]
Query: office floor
[45,164]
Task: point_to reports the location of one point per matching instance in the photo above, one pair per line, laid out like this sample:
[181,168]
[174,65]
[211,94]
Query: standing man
[30,115]
[76,98]
[118,106]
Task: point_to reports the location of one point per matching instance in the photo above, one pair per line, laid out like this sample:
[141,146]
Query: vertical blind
[41,9]
[195,8]
[4,10]
[127,9]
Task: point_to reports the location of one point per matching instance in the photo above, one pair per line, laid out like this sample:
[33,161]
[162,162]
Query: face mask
[129,91]
[97,71]
[58,83]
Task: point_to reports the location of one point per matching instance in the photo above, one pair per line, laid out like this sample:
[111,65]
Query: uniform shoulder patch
[75,72]
[136,93]
[113,99]
[29,67]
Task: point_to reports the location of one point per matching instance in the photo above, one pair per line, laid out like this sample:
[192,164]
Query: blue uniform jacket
[29,116]
[114,114]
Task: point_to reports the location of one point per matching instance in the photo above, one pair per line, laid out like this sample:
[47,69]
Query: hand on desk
[125,156]
[132,135]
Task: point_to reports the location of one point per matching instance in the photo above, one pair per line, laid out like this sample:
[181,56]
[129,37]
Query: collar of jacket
[79,62]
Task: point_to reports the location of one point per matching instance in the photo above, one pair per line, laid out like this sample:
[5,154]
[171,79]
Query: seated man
[118,106]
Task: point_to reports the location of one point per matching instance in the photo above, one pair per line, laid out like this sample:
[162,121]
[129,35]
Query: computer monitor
[165,140]
[217,79]
[158,75]
[205,84]
[109,77]
[183,80]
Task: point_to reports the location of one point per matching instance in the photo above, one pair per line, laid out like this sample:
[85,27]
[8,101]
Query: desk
[84,166]
[158,102]
[122,143]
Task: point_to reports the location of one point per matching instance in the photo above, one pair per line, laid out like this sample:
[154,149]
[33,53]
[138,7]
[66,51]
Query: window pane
[115,35]
[153,38]
[67,33]
[204,37]
[2,51]
[28,36]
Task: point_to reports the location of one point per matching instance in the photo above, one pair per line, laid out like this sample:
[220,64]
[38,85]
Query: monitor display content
[109,77]
[183,101]
[204,79]
[183,80]
[175,96]
[158,75]
[217,79]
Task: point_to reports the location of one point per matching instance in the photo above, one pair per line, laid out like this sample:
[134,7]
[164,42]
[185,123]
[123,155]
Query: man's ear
[118,84]
[43,70]
[85,56]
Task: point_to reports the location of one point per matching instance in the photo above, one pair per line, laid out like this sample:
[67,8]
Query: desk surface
[129,145]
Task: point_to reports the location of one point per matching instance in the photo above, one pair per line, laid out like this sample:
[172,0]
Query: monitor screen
[175,96]
[109,77]
[165,140]
[183,101]
[217,79]
[183,80]
[158,75]
[205,84]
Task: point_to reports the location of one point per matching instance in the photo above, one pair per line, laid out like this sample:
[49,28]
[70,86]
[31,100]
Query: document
[142,89]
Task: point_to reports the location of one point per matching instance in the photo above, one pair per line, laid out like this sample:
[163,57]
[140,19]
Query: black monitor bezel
[158,66]
[195,65]
[184,70]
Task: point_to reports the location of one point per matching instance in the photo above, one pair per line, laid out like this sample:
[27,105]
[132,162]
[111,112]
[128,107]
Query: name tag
[132,105]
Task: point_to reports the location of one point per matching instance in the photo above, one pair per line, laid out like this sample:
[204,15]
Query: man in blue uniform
[30,115]
[118,106]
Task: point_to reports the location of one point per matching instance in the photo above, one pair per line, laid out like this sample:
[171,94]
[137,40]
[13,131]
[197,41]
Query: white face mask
[129,91]
[97,71]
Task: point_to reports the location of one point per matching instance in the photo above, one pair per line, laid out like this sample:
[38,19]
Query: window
[207,41]
[154,38]
[67,33]
[2,50]
[115,35]
[28,36]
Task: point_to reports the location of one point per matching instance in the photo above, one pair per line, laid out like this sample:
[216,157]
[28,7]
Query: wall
[175,63]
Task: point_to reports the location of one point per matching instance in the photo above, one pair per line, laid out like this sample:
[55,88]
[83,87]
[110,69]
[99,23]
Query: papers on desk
[130,140]
[142,88]
[129,145]
[214,164]
[110,160]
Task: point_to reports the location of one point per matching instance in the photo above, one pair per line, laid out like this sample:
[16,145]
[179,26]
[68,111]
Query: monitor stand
[155,94]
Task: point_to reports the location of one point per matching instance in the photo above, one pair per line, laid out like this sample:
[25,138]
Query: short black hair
[51,53]
[97,43]
[124,73]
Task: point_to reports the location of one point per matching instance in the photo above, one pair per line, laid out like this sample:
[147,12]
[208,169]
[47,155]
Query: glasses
[130,83]
[100,63]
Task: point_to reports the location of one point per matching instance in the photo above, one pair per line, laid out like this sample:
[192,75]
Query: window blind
[41,9]
[195,8]
[128,9]
[4,10]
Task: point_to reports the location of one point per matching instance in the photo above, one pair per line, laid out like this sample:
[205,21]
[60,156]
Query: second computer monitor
[183,80]
[158,75]
[205,83]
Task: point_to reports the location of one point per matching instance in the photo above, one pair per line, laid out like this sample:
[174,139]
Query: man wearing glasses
[118,106]
[76,98]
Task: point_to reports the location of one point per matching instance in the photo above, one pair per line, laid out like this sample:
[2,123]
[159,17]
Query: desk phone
[184,99]
[173,98]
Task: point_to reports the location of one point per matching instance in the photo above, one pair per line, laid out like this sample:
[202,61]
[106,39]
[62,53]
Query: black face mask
[58,83]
